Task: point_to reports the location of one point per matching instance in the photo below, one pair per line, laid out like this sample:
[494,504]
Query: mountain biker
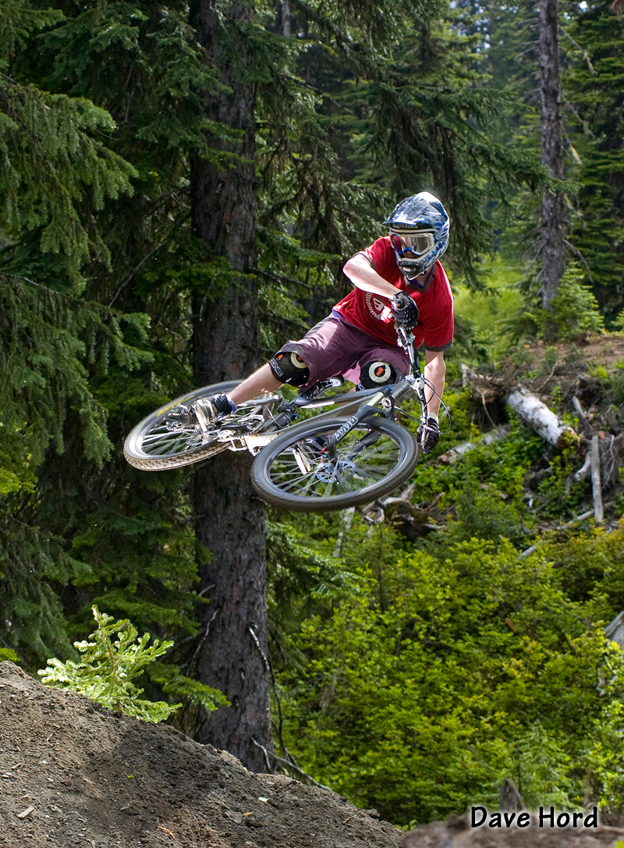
[397,278]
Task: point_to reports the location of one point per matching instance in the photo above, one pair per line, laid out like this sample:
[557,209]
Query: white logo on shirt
[378,307]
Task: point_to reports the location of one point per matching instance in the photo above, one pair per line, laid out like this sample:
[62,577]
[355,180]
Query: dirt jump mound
[74,774]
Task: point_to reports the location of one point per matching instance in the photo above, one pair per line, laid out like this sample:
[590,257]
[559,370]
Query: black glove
[404,310]
[432,435]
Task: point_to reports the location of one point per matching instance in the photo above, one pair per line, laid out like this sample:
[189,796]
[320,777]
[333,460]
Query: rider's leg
[260,382]
[321,353]
[285,367]
[330,348]
[377,373]
[380,365]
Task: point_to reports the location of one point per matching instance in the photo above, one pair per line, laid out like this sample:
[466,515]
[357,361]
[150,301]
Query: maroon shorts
[333,348]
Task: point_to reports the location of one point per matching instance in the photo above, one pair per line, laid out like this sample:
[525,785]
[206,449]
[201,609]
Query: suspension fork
[406,341]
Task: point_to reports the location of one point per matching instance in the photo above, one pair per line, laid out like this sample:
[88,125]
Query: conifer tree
[230,518]
[88,528]
[594,87]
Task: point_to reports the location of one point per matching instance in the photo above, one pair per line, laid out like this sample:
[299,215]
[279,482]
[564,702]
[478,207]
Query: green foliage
[542,770]
[108,668]
[424,704]
[595,84]
[54,174]
[48,343]
[8,654]
[575,309]
[173,682]
[606,756]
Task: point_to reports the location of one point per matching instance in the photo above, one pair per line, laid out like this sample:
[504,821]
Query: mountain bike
[351,452]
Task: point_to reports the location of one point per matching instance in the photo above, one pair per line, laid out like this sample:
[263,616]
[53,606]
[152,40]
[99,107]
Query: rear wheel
[172,436]
[296,472]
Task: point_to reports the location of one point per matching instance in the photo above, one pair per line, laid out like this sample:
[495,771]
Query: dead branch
[579,410]
[576,520]
[595,478]
[585,469]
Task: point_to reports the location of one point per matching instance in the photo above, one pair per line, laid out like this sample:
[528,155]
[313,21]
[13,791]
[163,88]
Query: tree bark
[553,235]
[286,18]
[230,523]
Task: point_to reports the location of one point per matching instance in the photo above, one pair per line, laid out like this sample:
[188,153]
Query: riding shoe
[212,408]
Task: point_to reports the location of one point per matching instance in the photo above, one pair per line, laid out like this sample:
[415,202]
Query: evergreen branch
[578,253]
[303,84]
[354,51]
[281,279]
[588,130]
[130,277]
[584,52]
[68,298]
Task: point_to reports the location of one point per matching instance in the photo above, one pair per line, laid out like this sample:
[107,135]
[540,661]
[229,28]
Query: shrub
[109,666]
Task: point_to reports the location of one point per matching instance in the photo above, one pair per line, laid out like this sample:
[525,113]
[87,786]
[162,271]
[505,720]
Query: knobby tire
[145,436]
[293,471]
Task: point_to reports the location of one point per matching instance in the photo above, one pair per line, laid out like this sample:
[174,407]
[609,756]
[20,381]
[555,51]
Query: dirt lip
[457,833]
[74,774]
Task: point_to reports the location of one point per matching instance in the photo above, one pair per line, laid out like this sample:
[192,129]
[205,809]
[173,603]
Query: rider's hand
[404,310]
[432,435]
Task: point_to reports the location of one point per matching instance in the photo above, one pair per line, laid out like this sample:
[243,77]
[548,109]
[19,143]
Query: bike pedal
[318,389]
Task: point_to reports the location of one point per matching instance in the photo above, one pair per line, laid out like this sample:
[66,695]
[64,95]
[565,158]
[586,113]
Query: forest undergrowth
[453,636]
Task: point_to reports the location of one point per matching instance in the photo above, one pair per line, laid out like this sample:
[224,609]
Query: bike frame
[358,404]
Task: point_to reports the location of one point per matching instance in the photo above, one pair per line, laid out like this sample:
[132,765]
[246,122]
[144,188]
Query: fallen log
[541,419]
[458,451]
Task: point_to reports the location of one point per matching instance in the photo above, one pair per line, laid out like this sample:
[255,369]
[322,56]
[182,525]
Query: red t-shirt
[372,312]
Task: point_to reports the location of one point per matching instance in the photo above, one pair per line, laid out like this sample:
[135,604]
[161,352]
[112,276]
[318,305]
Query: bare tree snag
[286,18]
[553,235]
[542,419]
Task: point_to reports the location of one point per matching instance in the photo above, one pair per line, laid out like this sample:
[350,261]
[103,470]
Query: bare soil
[563,363]
[74,774]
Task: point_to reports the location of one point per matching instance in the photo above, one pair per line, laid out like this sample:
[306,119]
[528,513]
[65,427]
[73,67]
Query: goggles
[415,242]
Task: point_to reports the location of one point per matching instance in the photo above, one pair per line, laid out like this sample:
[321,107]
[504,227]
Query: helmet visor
[414,242]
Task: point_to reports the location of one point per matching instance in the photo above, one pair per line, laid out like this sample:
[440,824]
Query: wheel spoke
[172,436]
[363,459]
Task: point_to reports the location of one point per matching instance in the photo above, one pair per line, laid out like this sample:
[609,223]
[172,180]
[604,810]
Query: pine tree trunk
[553,244]
[230,519]
[286,18]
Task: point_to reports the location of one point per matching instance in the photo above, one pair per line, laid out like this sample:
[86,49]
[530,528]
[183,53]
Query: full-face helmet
[419,233]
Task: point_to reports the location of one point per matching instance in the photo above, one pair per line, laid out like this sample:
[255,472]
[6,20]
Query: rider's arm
[435,371]
[363,276]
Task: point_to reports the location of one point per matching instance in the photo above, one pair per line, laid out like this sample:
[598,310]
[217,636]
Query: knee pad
[288,367]
[376,374]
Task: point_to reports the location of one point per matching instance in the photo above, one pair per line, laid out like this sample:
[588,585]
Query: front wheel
[296,472]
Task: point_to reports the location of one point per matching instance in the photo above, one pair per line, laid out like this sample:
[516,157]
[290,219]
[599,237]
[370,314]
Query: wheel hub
[335,471]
